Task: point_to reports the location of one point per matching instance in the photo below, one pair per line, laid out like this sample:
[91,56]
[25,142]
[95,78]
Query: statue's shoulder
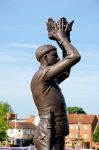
[41,73]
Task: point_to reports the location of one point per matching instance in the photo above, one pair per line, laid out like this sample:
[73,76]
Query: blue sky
[23,29]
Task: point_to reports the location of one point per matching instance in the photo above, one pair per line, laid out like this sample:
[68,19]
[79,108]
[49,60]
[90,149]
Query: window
[76,126]
[76,135]
[25,132]
[85,127]
[85,136]
[11,131]
[28,131]
[32,131]
[72,135]
[71,127]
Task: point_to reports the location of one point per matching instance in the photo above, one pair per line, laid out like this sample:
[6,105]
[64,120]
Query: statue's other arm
[63,76]
[66,63]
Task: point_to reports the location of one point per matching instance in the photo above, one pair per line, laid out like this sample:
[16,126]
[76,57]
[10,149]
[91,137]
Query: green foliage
[4,109]
[3,128]
[95,136]
[75,110]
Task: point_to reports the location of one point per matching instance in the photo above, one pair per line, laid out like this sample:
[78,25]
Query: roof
[21,125]
[98,118]
[81,118]
[31,119]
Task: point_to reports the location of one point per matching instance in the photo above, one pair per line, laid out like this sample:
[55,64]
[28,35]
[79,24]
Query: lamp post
[15,129]
[79,130]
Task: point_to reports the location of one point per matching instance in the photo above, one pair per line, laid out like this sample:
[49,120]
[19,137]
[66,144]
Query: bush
[28,142]
[14,145]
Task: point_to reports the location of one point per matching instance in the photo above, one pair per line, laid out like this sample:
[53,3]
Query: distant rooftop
[21,125]
[81,118]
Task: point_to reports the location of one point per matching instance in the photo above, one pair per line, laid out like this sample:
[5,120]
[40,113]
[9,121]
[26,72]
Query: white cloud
[93,55]
[22,45]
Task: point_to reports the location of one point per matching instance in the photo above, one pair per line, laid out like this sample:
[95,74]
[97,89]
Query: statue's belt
[57,117]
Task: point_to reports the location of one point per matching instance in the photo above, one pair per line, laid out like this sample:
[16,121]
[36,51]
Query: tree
[75,110]
[3,128]
[95,136]
[4,109]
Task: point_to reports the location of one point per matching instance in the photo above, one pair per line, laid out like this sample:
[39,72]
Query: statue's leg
[61,143]
[40,136]
[58,143]
[61,131]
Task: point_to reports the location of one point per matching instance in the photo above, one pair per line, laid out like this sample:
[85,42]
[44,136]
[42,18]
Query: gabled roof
[21,125]
[31,119]
[81,118]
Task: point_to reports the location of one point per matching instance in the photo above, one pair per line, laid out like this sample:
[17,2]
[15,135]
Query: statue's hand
[55,29]
[59,29]
[68,30]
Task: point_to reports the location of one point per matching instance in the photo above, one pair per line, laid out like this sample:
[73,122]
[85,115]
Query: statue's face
[52,57]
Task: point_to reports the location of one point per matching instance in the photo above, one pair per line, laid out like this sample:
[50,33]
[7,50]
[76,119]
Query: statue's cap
[40,51]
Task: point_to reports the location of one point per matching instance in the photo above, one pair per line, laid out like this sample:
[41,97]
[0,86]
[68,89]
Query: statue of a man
[47,95]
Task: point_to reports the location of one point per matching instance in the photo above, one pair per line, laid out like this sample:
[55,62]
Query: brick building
[81,127]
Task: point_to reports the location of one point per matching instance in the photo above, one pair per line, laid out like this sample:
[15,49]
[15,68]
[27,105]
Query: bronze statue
[48,97]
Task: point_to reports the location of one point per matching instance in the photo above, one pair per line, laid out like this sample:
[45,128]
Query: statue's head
[42,50]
